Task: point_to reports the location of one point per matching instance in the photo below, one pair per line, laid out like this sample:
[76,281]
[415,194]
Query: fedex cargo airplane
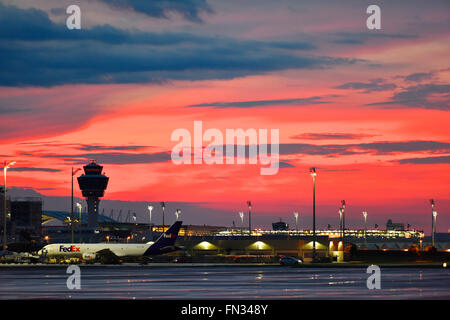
[114,252]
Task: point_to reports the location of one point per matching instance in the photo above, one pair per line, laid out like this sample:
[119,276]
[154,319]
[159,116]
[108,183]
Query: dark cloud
[419,77]
[378,148]
[421,96]
[262,103]
[284,164]
[86,147]
[35,25]
[406,146]
[330,136]
[34,169]
[360,38]
[73,64]
[427,160]
[368,87]
[300,45]
[324,150]
[332,150]
[5,110]
[114,157]
[104,54]
[189,9]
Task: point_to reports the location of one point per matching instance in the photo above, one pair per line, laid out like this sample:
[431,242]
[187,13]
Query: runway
[159,281]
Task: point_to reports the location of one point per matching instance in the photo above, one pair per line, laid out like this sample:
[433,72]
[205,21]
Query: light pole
[71,207]
[296,220]
[71,222]
[433,219]
[163,206]
[5,168]
[241,214]
[343,223]
[434,225]
[365,227]
[150,208]
[340,222]
[249,217]
[313,175]
[79,206]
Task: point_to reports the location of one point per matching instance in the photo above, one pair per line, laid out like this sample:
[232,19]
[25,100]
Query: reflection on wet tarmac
[150,282]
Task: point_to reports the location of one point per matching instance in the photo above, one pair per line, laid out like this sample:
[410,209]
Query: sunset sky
[369,108]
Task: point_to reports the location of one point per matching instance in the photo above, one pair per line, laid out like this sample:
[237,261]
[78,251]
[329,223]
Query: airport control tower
[93,184]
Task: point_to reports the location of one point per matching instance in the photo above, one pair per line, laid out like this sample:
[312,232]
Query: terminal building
[23,218]
[26,218]
[259,245]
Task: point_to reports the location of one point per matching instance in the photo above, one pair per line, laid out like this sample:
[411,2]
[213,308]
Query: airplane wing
[106,256]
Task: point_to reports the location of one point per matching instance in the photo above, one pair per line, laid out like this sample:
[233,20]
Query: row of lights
[260,245]
[150,208]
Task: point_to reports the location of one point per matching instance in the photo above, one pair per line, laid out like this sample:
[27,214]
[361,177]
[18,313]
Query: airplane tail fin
[166,240]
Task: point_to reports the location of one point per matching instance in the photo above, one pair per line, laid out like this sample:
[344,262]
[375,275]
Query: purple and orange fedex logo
[169,236]
[71,248]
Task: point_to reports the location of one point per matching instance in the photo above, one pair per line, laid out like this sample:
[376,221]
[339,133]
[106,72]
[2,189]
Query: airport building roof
[62,215]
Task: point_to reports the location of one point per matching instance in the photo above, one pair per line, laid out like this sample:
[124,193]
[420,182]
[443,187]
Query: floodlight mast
[241,215]
[79,206]
[313,175]
[150,208]
[249,217]
[433,221]
[5,168]
[343,222]
[163,206]
[365,227]
[296,220]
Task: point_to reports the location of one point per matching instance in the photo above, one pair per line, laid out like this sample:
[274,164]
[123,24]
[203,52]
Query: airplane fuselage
[77,250]
[114,251]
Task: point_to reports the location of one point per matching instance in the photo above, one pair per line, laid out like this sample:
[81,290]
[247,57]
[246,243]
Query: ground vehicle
[17,257]
[290,261]
[179,260]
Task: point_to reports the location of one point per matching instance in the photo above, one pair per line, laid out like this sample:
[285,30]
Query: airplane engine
[169,249]
[89,256]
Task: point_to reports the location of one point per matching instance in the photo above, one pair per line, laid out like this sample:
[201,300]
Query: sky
[368,108]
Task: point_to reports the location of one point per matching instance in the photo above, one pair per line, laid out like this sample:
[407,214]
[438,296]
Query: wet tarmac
[160,281]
